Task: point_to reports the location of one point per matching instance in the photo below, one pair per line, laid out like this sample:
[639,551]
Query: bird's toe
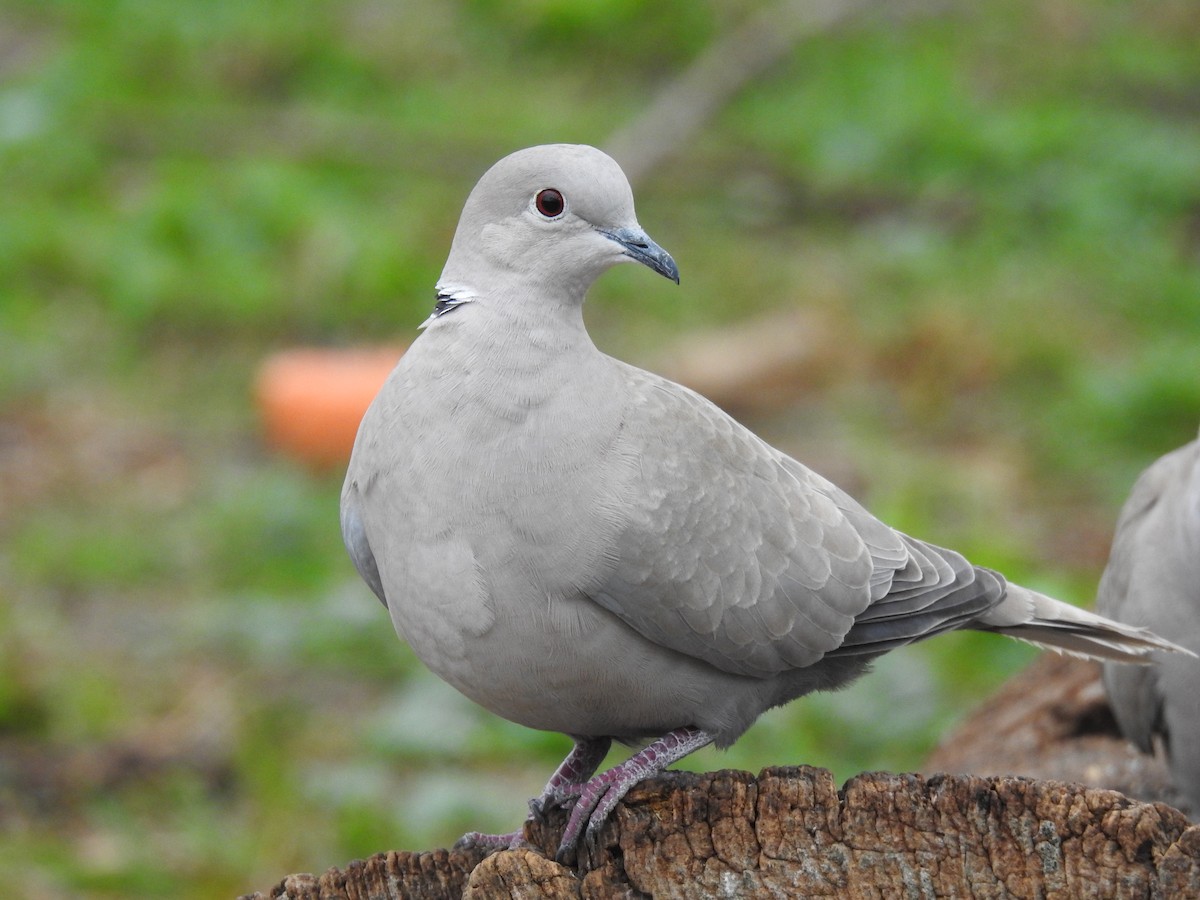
[478,840]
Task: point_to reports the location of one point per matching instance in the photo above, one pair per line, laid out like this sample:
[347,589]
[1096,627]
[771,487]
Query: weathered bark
[790,832]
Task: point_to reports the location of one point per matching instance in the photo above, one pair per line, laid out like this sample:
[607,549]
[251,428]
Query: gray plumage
[1153,577]
[584,547]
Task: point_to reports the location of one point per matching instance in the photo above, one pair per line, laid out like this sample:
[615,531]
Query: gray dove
[1153,576]
[584,547]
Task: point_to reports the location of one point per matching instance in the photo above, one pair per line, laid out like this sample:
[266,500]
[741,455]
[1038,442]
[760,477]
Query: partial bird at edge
[1153,576]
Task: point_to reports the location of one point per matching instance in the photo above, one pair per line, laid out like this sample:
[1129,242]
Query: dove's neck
[508,331]
[497,361]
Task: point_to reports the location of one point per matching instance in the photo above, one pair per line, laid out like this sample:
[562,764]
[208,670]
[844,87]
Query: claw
[591,839]
[537,810]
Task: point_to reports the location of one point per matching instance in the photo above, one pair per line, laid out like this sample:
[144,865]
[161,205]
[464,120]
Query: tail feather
[1041,620]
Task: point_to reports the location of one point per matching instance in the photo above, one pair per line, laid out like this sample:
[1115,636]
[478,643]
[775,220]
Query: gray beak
[640,248]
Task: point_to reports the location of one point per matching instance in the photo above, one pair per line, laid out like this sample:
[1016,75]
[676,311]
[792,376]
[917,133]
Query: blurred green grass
[1000,204]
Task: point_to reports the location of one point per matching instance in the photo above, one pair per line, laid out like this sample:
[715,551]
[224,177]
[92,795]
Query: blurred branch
[1052,721]
[683,107]
[760,366]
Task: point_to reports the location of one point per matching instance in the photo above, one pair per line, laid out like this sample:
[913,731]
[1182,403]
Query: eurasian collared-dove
[1153,577]
[584,547]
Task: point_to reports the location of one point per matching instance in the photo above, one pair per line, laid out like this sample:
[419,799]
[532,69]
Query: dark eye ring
[550,203]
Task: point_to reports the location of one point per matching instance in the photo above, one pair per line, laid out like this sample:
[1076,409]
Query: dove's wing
[734,553]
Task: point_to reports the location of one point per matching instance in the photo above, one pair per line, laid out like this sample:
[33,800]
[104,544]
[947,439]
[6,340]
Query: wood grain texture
[791,832]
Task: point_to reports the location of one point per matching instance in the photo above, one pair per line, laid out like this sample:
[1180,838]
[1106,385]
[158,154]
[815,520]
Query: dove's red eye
[550,203]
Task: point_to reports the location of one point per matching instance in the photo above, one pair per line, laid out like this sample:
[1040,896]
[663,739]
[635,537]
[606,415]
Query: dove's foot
[561,791]
[477,840]
[566,784]
[563,797]
[600,795]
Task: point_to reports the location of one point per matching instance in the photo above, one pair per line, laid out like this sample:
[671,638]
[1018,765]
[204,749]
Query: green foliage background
[999,204]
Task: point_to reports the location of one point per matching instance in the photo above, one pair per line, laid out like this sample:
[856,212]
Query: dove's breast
[491,499]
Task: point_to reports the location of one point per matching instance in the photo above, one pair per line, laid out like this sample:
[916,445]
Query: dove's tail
[1049,623]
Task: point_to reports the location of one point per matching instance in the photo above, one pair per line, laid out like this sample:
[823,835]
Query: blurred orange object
[312,399]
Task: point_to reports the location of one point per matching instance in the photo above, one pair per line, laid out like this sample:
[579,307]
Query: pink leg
[602,793]
[490,842]
[563,787]
[569,778]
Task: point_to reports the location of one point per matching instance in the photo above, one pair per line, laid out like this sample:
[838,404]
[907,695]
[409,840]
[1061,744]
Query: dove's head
[551,218]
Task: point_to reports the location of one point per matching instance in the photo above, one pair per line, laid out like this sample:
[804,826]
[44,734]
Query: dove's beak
[640,248]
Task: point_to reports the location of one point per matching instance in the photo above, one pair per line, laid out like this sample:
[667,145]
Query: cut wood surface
[789,832]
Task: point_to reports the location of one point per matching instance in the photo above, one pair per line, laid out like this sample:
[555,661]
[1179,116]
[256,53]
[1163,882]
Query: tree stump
[790,833]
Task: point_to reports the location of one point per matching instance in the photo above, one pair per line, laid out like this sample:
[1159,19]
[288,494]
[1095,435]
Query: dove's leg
[602,793]
[563,787]
[572,774]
